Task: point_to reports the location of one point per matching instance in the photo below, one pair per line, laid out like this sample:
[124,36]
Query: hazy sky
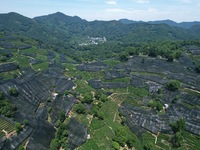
[146,10]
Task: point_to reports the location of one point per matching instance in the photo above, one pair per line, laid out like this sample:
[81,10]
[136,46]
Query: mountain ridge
[184,24]
[59,28]
[169,22]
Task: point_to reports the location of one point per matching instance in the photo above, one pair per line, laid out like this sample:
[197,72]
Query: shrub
[123,57]
[131,141]
[177,139]
[21,147]
[103,98]
[49,109]
[25,122]
[49,99]
[66,93]
[173,85]
[116,145]
[121,136]
[7,109]
[58,123]
[155,104]
[175,99]
[62,116]
[18,127]
[178,126]
[99,115]
[55,144]
[88,98]
[80,109]
[13,91]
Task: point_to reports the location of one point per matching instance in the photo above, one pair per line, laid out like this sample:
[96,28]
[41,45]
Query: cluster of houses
[94,41]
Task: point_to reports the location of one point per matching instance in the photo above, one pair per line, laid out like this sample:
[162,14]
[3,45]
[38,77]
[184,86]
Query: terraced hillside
[113,95]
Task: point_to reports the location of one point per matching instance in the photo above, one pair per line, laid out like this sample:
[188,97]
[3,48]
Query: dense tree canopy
[7,108]
[173,85]
[122,137]
[177,139]
[178,126]
[155,104]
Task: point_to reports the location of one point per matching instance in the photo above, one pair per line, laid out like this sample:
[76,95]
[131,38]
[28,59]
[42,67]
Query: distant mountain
[59,19]
[16,22]
[60,29]
[127,21]
[168,22]
[188,24]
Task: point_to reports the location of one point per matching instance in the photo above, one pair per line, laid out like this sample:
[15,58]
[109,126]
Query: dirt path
[90,117]
[5,132]
[109,127]
[193,90]
[8,135]
[32,67]
[8,62]
[26,144]
[114,117]
[156,137]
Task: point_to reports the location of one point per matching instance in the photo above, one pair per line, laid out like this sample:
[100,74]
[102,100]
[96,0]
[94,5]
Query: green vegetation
[41,67]
[111,62]
[80,109]
[49,99]
[10,74]
[140,92]
[62,115]
[83,87]
[1,95]
[106,121]
[123,136]
[124,79]
[178,128]
[173,85]
[116,145]
[21,147]
[23,61]
[100,96]
[177,139]
[87,98]
[60,139]
[13,91]
[7,108]
[25,121]
[175,99]
[18,127]
[98,109]
[155,104]
[166,141]
[123,57]
[148,146]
